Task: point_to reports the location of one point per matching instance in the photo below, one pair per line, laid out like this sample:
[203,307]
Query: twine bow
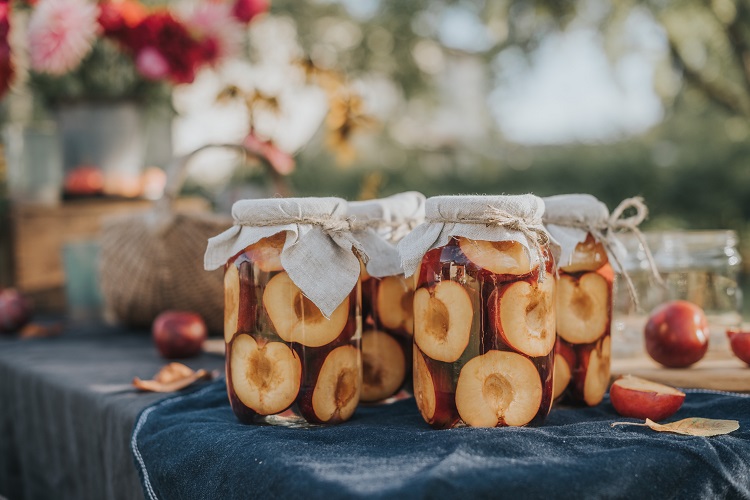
[616,223]
[531,228]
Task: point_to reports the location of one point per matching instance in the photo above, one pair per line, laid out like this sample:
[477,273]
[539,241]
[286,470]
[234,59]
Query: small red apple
[739,340]
[179,334]
[640,398]
[677,334]
[15,310]
[84,180]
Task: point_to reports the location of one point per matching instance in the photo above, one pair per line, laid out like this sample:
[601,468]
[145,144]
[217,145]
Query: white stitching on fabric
[723,393]
[134,440]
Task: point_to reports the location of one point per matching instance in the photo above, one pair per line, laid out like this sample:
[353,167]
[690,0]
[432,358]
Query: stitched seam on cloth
[721,393]
[134,440]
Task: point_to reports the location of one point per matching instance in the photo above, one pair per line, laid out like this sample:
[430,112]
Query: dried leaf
[694,426]
[36,330]
[173,377]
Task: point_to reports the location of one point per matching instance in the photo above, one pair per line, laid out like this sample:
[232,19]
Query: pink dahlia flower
[61,33]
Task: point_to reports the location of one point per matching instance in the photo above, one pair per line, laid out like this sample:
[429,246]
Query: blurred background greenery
[612,98]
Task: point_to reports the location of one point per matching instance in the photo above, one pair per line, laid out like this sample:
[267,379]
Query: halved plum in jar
[503,258]
[442,320]
[266,253]
[434,392]
[336,392]
[383,365]
[296,319]
[565,362]
[583,307]
[591,377]
[395,304]
[264,376]
[522,314]
[589,255]
[498,388]
[240,305]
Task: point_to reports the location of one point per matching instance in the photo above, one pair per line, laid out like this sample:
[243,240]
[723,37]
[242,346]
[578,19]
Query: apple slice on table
[266,253]
[498,257]
[640,398]
[383,366]
[583,308]
[589,255]
[442,320]
[593,373]
[337,387]
[434,392]
[395,304]
[266,378]
[523,315]
[296,319]
[498,388]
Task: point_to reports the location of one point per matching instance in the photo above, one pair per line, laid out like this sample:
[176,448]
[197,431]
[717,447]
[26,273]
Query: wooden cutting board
[717,371]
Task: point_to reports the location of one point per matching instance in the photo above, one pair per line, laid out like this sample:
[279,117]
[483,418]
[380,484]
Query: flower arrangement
[122,49]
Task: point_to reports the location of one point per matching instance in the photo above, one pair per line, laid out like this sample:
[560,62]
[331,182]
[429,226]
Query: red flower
[246,10]
[116,18]
[161,34]
[7,69]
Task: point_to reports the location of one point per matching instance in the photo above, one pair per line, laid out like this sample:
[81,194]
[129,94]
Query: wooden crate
[39,234]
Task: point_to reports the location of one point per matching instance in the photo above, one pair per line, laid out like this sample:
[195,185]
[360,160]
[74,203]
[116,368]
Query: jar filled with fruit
[387,296]
[578,223]
[484,316]
[292,311]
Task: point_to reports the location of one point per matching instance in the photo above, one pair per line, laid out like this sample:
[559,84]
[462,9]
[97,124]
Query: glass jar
[286,363]
[388,327]
[584,319]
[484,335]
[702,267]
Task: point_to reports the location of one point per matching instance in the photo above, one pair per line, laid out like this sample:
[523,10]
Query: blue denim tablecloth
[191,446]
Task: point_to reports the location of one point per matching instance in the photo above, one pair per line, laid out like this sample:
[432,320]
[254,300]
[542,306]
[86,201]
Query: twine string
[531,228]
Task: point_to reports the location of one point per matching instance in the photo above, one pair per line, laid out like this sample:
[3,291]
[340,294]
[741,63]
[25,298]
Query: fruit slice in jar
[337,389]
[596,372]
[583,308]
[395,304]
[565,359]
[266,253]
[498,388]
[561,377]
[589,255]
[296,318]
[239,300]
[442,320]
[424,389]
[265,378]
[499,257]
[231,301]
[523,315]
[383,365]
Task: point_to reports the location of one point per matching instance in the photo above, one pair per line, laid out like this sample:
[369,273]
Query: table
[67,410]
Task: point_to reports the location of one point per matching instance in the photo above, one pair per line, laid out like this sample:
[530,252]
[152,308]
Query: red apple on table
[179,334]
[739,341]
[84,180]
[640,398]
[677,334]
[15,310]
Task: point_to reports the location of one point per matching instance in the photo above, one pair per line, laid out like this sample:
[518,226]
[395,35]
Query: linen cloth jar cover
[586,233]
[387,296]
[292,310]
[484,318]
